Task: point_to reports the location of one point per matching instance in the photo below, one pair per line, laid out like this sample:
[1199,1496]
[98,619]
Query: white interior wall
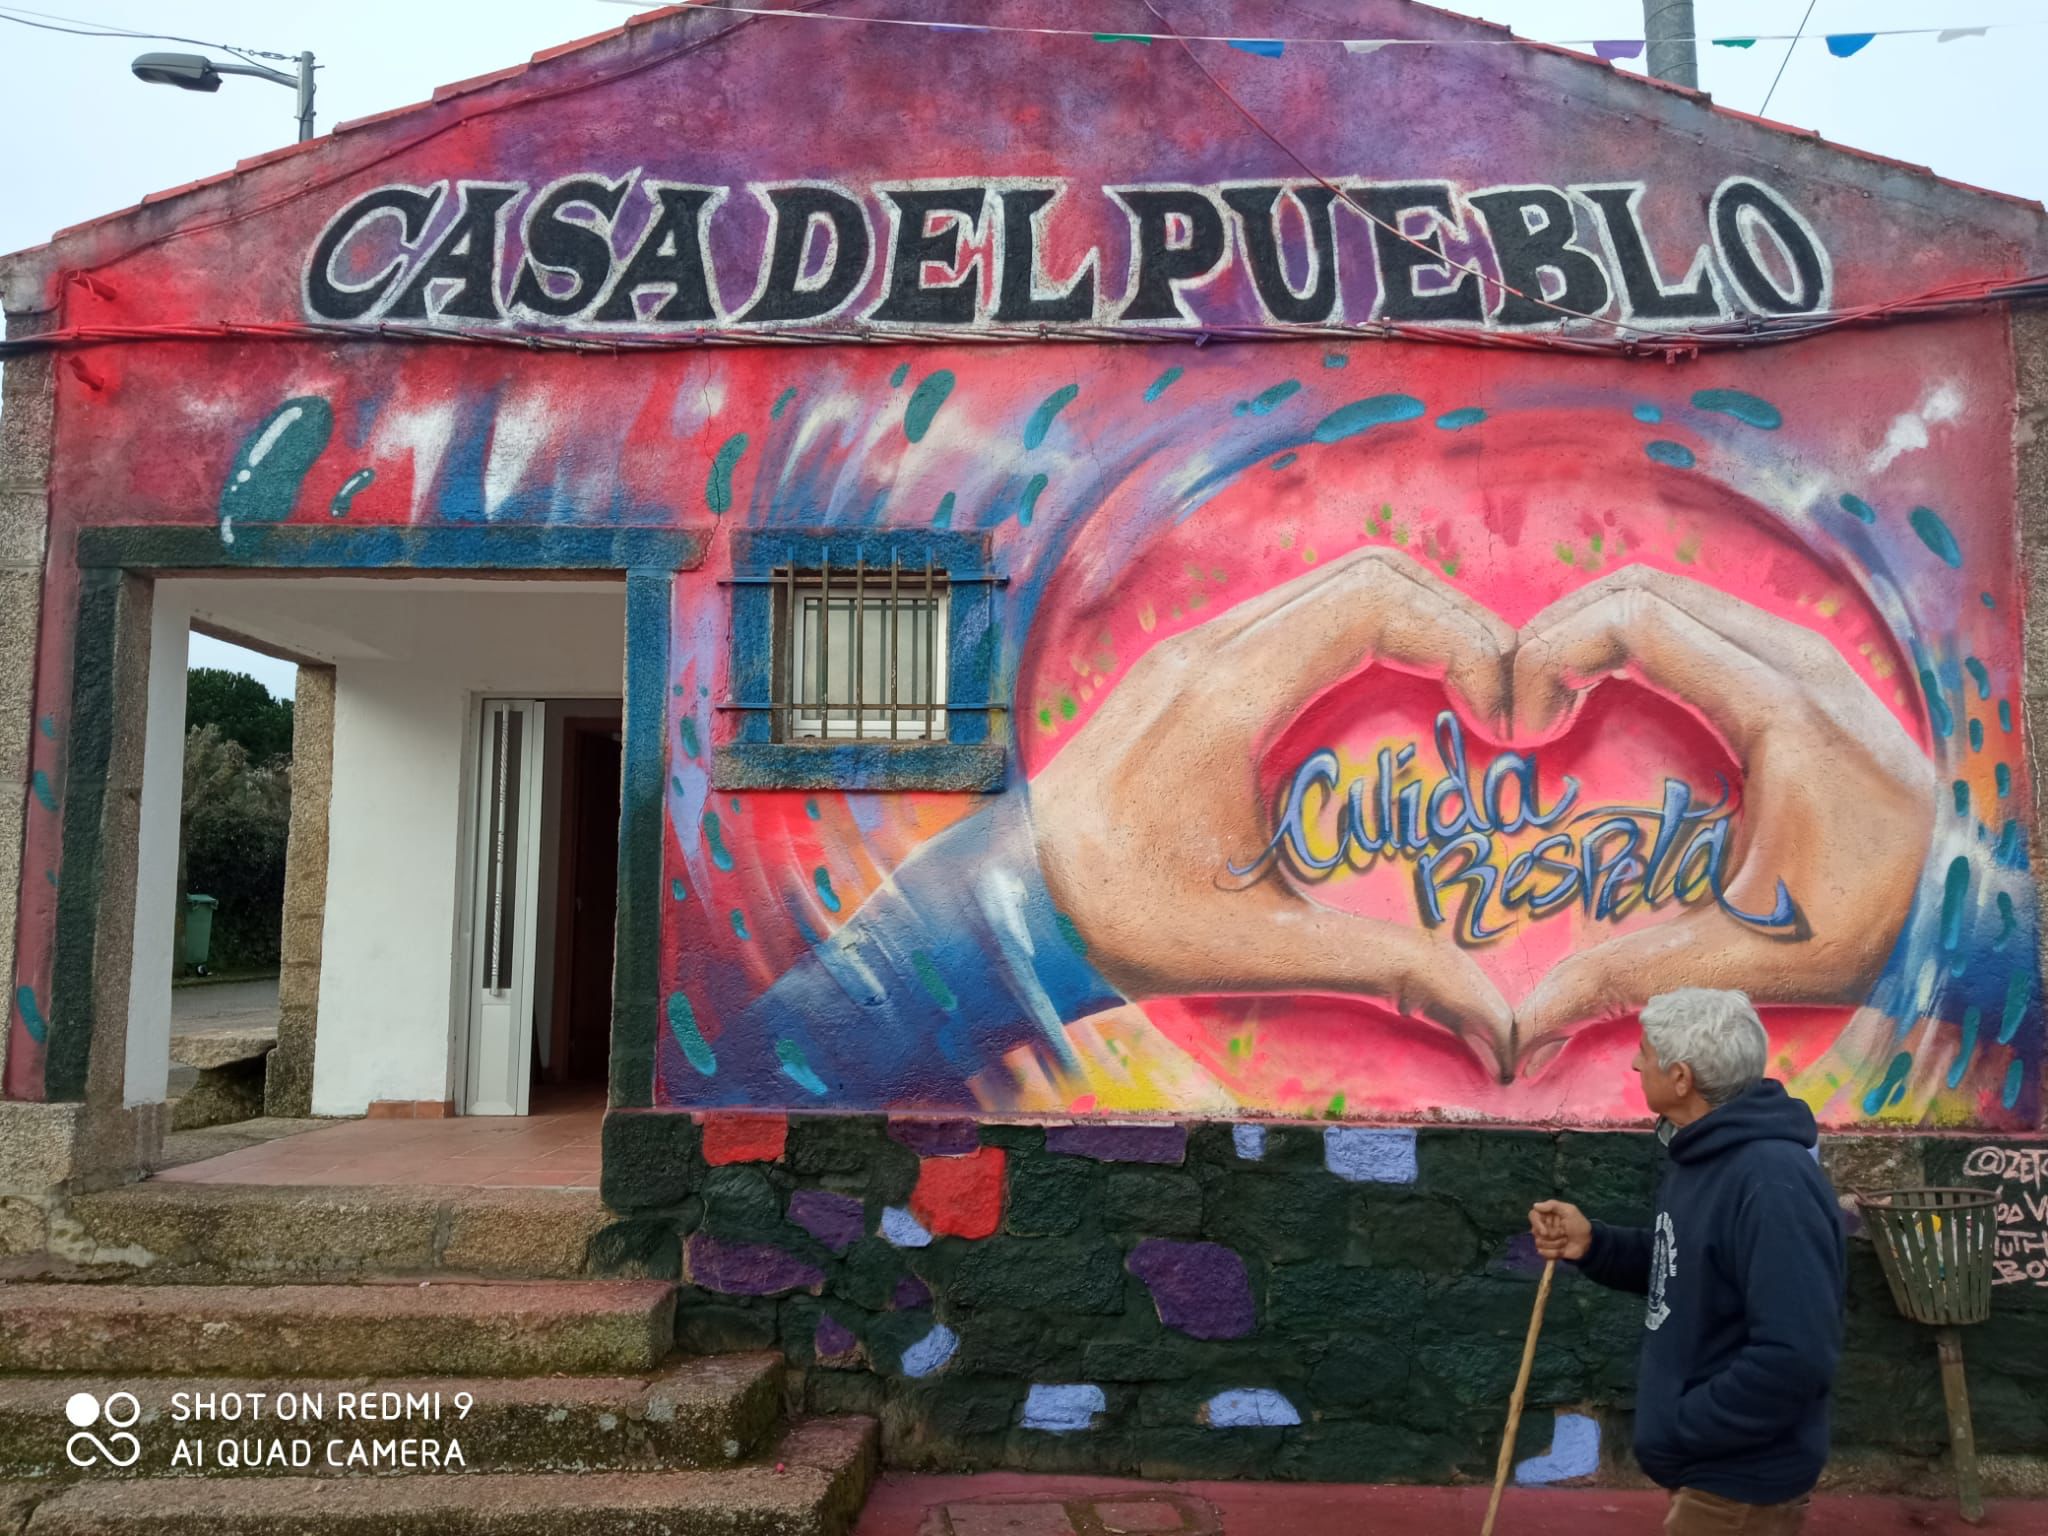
[146,1073]
[411,659]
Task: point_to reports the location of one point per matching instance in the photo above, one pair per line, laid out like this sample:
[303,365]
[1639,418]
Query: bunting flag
[1842,44]
[1734,42]
[1614,48]
[1950,34]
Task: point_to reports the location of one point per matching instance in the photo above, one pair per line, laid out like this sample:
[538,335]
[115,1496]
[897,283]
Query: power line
[1760,111]
[77,27]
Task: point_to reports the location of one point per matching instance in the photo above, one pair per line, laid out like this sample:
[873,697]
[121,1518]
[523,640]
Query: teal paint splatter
[781,403]
[272,463]
[1028,507]
[896,379]
[1747,409]
[811,809]
[31,1014]
[2005,715]
[713,836]
[734,801]
[1363,415]
[2002,776]
[933,983]
[943,518]
[718,485]
[821,877]
[678,891]
[1648,414]
[1270,400]
[2008,923]
[682,1023]
[350,488]
[1955,896]
[1893,1087]
[39,782]
[1978,676]
[1677,455]
[1070,933]
[2013,1079]
[739,923]
[51,876]
[1934,533]
[1458,421]
[2011,850]
[49,725]
[1041,419]
[1858,508]
[1987,599]
[1976,726]
[1938,712]
[1336,360]
[690,743]
[1163,383]
[1283,461]
[675,783]
[924,404]
[2017,991]
[798,1070]
[1962,797]
[1972,1018]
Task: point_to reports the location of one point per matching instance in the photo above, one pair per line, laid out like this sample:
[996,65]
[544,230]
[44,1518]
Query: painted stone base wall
[1327,1303]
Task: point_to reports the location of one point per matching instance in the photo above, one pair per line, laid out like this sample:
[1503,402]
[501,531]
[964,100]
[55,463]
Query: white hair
[1717,1034]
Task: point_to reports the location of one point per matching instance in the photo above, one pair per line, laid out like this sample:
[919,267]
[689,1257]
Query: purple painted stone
[1119,1143]
[936,1138]
[834,1220]
[747,1269]
[833,1339]
[911,1293]
[1199,1288]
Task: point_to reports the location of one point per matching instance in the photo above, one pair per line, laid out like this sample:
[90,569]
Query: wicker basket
[1935,1246]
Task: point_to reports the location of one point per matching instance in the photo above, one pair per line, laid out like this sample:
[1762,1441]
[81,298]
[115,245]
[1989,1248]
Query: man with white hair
[1743,1271]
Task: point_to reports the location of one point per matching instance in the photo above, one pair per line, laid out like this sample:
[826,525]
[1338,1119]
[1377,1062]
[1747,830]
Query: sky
[98,139]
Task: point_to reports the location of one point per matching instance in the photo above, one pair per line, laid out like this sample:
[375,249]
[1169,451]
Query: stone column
[288,1074]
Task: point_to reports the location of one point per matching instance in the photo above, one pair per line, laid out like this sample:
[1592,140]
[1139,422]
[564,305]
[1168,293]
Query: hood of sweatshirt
[1762,1112]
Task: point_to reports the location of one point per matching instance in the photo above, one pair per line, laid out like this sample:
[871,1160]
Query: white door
[502,924]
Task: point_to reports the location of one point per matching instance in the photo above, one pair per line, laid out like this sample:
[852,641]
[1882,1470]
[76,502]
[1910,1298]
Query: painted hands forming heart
[1838,802]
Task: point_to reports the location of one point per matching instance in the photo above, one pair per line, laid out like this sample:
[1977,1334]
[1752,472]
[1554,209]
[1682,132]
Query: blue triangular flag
[1842,44]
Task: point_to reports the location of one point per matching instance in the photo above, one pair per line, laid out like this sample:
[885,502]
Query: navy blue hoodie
[1743,1272]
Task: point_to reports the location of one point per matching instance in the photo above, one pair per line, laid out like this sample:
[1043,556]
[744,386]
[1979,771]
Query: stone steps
[692,1412]
[811,1484]
[188,1233]
[396,1328]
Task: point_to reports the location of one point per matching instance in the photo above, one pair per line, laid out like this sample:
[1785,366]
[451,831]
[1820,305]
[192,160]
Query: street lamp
[196,72]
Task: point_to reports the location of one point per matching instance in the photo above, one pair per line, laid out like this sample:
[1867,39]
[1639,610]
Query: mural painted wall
[1384,721]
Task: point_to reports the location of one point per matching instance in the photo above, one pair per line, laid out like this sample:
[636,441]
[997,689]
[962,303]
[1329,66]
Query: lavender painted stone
[936,1138]
[1574,1452]
[1199,1288]
[1249,1408]
[911,1293]
[1120,1143]
[1249,1141]
[902,1230]
[747,1269]
[833,1339]
[929,1355]
[834,1220]
[1362,1155]
[1520,1255]
[1063,1409]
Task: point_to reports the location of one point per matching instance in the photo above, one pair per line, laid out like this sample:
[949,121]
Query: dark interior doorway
[586,906]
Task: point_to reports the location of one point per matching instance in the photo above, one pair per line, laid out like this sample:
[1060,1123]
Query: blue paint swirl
[1745,408]
[1935,534]
[1664,451]
[1858,508]
[1041,419]
[1363,415]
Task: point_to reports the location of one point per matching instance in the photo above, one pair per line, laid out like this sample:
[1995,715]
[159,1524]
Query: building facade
[1175,636]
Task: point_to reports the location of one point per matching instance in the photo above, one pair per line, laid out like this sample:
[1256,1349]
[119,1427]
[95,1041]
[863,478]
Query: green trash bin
[198,931]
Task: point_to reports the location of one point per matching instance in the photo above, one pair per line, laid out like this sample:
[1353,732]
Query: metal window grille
[860,652]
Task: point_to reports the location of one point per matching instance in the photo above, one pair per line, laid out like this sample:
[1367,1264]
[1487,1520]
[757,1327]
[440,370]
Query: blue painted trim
[482,548]
[636,964]
[973,641]
[876,765]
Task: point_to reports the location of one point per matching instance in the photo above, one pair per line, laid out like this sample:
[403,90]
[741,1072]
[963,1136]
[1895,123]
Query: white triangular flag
[1950,34]
[1364,47]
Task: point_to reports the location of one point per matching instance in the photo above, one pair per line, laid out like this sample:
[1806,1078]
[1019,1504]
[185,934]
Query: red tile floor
[555,1147]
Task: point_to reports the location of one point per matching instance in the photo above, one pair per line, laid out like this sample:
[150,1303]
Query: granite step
[703,1411]
[191,1233]
[811,1484]
[395,1328]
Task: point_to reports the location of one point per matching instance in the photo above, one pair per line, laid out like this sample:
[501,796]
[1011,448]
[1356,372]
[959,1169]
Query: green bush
[236,819]
[243,709]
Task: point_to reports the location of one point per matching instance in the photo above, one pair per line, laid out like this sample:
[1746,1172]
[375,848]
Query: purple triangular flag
[1619,48]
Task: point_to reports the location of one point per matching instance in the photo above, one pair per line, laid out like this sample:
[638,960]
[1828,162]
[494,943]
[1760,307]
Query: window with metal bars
[862,659]
[861,652]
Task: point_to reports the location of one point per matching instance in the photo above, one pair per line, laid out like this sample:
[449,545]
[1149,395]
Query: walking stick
[1507,1444]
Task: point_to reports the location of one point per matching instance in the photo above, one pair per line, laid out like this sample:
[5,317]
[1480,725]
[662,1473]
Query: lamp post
[196,72]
